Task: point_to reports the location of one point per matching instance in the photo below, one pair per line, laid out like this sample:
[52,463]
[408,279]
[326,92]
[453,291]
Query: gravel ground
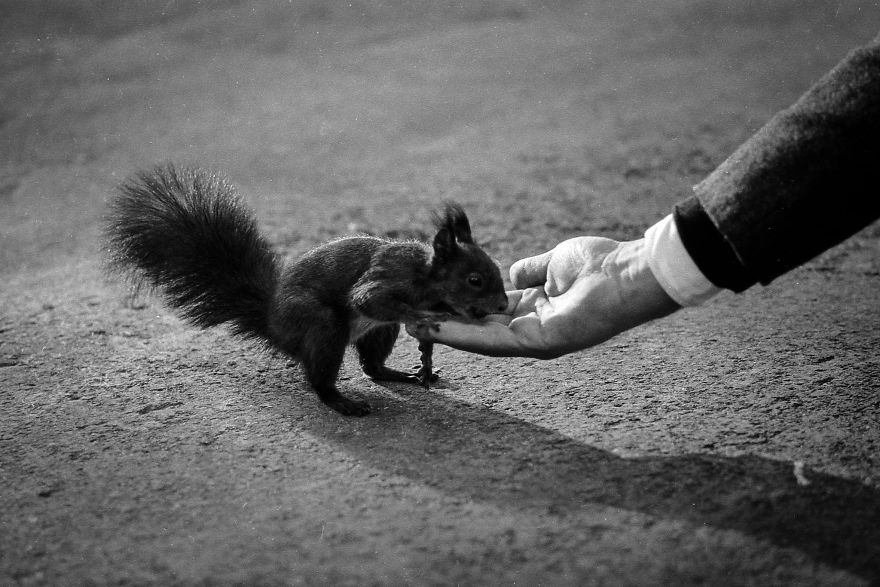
[735,443]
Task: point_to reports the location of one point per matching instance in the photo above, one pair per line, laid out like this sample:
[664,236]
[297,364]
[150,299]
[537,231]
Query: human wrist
[641,296]
[673,267]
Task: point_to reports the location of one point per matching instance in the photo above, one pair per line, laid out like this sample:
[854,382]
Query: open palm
[579,294]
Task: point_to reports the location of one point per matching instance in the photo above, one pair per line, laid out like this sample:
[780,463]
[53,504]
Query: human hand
[577,295]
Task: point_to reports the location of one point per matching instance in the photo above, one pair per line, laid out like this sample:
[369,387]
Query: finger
[495,335]
[513,298]
[486,338]
[531,271]
[498,318]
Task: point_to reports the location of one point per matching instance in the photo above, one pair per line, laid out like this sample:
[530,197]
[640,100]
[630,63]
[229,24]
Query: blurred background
[546,119]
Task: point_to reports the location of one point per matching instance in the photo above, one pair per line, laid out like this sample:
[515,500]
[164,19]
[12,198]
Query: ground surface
[736,443]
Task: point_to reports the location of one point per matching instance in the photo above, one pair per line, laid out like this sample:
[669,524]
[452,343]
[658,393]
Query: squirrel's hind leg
[319,346]
[316,335]
[322,362]
[374,348]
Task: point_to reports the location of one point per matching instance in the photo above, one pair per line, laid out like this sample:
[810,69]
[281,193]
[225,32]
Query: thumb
[531,271]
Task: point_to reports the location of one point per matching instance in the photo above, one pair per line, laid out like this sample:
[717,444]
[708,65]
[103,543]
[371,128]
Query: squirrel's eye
[475,280]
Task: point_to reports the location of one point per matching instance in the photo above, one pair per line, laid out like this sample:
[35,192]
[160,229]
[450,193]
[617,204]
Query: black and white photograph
[439,292]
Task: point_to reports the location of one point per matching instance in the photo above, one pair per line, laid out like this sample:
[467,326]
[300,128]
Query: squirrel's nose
[502,306]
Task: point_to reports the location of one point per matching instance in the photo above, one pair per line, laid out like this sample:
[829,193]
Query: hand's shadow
[475,452]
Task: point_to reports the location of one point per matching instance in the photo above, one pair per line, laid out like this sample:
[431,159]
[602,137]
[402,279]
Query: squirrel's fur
[186,234]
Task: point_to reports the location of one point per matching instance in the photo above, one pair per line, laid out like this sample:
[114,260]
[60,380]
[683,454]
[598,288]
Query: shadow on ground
[445,444]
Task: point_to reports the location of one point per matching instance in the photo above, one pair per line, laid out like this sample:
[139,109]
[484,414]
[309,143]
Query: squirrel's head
[470,282]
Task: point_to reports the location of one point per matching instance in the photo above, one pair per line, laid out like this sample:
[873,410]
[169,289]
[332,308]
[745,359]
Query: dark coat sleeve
[807,180]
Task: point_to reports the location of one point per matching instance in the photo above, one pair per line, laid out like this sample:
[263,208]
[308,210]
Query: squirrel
[185,233]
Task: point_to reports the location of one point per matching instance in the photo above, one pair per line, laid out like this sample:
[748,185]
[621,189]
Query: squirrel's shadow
[488,456]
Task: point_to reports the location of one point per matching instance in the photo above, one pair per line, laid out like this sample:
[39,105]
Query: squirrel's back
[185,233]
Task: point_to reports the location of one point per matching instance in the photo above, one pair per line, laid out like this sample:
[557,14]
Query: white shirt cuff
[674,268]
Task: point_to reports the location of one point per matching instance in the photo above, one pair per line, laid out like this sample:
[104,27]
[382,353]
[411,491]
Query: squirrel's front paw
[423,377]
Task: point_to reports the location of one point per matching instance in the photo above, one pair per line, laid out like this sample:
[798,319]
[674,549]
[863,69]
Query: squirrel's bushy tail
[185,233]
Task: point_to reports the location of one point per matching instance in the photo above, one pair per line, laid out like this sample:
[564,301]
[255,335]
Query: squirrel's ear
[444,245]
[456,222]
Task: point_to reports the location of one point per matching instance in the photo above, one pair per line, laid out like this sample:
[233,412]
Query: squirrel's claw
[425,379]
